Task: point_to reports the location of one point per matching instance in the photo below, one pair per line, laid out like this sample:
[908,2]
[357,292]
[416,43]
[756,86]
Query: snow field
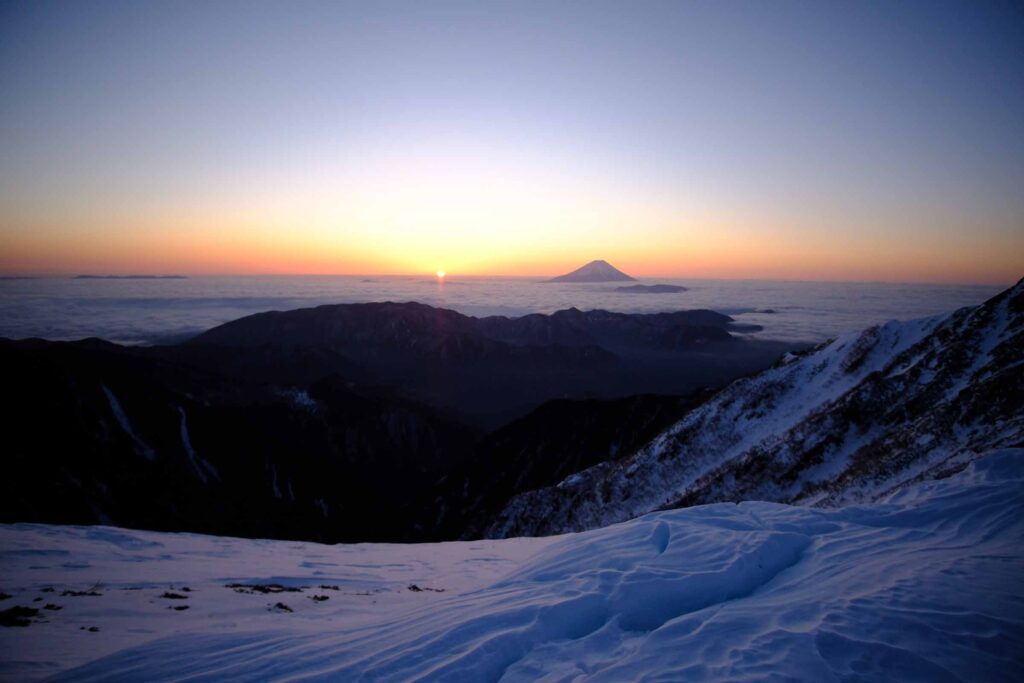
[925,585]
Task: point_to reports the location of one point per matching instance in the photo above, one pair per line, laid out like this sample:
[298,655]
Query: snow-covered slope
[849,421]
[925,585]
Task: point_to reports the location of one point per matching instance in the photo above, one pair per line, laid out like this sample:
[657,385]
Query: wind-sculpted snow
[849,421]
[924,585]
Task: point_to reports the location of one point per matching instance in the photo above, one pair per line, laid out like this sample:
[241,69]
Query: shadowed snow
[923,585]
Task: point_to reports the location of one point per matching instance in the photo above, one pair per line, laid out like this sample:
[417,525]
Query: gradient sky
[839,141]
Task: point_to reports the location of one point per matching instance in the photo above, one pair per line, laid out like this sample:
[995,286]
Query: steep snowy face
[923,586]
[849,421]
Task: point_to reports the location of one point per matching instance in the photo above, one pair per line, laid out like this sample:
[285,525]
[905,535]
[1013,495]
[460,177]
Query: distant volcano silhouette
[595,271]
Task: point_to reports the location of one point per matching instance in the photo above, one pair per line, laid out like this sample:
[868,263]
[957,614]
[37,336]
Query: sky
[823,141]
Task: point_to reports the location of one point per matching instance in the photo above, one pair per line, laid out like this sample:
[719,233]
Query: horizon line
[449,276]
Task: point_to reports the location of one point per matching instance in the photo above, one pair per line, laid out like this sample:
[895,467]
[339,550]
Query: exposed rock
[17,616]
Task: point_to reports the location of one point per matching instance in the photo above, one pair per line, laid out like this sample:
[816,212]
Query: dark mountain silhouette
[129,277]
[490,370]
[101,434]
[279,425]
[651,289]
[368,330]
[339,423]
[541,449]
[595,271]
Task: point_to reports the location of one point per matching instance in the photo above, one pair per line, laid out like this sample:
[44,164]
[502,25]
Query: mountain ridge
[849,421]
[496,368]
[336,423]
[596,271]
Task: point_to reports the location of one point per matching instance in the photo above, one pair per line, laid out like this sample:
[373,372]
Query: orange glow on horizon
[386,142]
[225,256]
[548,240]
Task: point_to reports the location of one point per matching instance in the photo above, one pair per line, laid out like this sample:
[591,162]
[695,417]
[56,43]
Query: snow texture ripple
[921,585]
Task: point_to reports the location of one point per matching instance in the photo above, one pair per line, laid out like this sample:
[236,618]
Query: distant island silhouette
[595,271]
[651,289]
[130,277]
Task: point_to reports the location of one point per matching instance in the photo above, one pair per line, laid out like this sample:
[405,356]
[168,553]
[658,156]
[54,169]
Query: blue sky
[879,140]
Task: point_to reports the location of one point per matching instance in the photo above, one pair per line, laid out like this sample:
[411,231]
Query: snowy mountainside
[848,421]
[921,586]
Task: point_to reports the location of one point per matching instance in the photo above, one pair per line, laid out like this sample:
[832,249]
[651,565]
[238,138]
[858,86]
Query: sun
[440,275]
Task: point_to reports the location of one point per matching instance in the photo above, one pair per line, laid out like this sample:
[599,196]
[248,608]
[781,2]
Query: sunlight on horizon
[514,140]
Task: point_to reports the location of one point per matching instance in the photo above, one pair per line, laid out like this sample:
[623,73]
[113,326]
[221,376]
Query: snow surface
[924,585]
[203,468]
[126,425]
[843,423]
